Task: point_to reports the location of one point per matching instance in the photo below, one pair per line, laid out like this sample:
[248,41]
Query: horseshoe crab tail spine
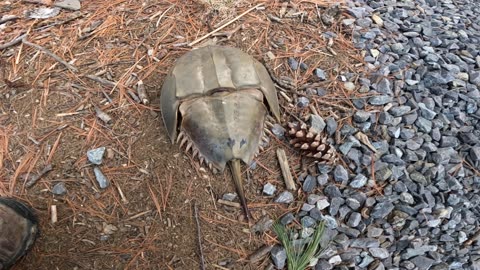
[237,179]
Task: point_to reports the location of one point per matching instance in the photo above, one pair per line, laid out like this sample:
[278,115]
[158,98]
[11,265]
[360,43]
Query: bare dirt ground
[145,219]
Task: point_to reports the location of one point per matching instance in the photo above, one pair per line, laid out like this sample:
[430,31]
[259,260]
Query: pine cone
[310,142]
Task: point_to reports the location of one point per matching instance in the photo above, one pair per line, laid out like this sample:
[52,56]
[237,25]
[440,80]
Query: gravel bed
[423,63]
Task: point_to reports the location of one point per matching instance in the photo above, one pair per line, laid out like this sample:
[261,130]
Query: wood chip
[54,217]
[287,174]
[229,203]
[103,115]
[260,253]
[364,139]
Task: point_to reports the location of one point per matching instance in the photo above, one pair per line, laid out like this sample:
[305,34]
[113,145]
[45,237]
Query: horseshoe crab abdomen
[225,126]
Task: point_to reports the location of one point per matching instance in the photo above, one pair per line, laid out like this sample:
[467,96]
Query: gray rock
[407,198]
[322,204]
[278,130]
[316,214]
[475,77]
[448,141]
[322,179]
[384,86]
[346,147]
[410,118]
[364,243]
[229,197]
[381,210]
[424,125]
[307,221]
[366,261]
[269,189]
[313,198]
[359,181]
[400,110]
[335,260]
[335,204]
[95,156]
[324,168]
[59,189]
[284,197]
[393,159]
[381,253]
[407,134]
[331,126]
[385,118]
[101,178]
[309,184]
[279,256]
[361,116]
[287,219]
[475,153]
[418,251]
[332,191]
[317,123]
[307,207]
[379,100]
[293,63]
[383,174]
[422,262]
[320,74]
[303,102]
[340,174]
[419,178]
[323,265]
[369,35]
[354,219]
[263,225]
[330,222]
[353,203]
[397,48]
[374,232]
[426,112]
[358,12]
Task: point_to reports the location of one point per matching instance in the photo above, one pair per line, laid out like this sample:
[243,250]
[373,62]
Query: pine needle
[299,256]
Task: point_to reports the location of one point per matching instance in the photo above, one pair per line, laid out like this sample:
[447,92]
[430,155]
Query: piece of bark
[287,174]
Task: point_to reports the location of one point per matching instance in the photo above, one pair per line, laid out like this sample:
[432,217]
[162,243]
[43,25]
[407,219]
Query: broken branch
[225,25]
[287,174]
[49,53]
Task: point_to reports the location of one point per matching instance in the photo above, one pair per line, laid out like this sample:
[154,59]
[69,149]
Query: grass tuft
[300,256]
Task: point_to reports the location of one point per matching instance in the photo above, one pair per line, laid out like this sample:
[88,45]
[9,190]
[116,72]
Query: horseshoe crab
[215,100]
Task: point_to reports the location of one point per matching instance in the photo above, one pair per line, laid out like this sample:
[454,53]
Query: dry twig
[49,53]
[225,25]
[37,177]
[287,174]
[199,237]
[14,42]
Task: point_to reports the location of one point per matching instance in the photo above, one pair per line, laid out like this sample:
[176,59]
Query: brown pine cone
[311,143]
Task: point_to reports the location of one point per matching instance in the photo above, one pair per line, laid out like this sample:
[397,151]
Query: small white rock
[68,4]
[322,204]
[349,86]
[335,260]
[377,20]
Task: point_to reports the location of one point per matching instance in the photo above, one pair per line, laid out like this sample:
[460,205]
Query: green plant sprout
[300,256]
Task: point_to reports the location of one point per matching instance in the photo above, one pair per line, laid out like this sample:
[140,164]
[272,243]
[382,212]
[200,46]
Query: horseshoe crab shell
[215,100]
